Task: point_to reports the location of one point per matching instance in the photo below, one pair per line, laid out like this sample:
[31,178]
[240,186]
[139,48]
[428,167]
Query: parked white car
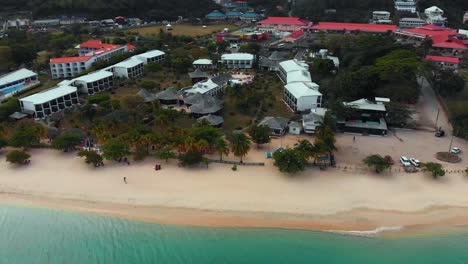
[455,150]
[415,162]
[405,161]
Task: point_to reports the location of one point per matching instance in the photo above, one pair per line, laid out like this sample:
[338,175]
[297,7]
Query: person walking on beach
[125,180]
[354,139]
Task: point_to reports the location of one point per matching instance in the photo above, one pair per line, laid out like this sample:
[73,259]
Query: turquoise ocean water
[30,235]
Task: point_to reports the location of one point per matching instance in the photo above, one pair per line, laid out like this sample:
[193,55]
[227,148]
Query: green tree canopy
[17,157]
[222,147]
[166,153]
[91,157]
[259,134]
[290,160]
[66,142]
[27,135]
[377,162]
[115,149]
[191,157]
[436,169]
[240,145]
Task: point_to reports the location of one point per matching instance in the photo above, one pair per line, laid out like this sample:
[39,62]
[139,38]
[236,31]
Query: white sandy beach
[315,199]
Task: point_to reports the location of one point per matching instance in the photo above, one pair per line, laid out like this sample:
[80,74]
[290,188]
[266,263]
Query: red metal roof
[130,46]
[296,34]
[431,31]
[450,44]
[354,26]
[284,20]
[97,44]
[443,59]
[70,59]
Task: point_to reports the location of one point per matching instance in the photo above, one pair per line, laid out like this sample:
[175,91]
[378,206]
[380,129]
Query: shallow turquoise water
[30,235]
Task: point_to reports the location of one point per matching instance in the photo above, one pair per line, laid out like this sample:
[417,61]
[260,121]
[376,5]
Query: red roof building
[94,45]
[442,38]
[452,60]
[282,24]
[70,59]
[335,26]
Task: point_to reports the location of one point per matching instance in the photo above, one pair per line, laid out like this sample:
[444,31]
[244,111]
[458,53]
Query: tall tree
[290,160]
[240,145]
[17,157]
[66,142]
[91,157]
[259,134]
[436,169]
[377,162]
[115,149]
[222,147]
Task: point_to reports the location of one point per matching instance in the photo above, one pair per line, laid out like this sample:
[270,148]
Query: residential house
[278,125]
[45,103]
[302,96]
[168,96]
[312,120]
[95,82]
[238,60]
[405,6]
[207,87]
[16,81]
[380,15]
[204,64]
[435,15]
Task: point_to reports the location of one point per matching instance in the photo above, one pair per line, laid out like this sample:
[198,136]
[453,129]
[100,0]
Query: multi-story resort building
[238,60]
[290,66]
[51,101]
[435,15]
[411,22]
[16,81]
[444,62]
[69,67]
[128,69]
[290,24]
[153,56]
[95,82]
[405,6]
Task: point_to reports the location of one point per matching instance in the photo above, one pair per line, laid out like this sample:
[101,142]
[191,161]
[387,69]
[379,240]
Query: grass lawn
[187,30]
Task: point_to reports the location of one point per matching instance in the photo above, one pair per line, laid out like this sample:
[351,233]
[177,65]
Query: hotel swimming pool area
[7,92]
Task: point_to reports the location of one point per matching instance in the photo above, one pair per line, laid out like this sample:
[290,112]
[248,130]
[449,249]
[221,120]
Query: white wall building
[152,56]
[95,82]
[69,67]
[129,69]
[203,64]
[405,6]
[51,101]
[290,66]
[411,22]
[206,87]
[380,15]
[15,81]
[238,60]
[302,96]
[435,15]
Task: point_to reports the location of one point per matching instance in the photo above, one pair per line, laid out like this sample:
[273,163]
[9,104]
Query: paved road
[430,106]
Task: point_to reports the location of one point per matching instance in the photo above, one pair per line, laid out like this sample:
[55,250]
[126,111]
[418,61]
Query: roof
[450,44]
[285,20]
[204,86]
[237,56]
[213,120]
[222,78]
[216,13]
[70,59]
[433,9]
[233,13]
[17,115]
[130,46]
[45,96]
[274,122]
[250,14]
[132,62]
[293,65]
[296,34]
[300,89]
[16,75]
[203,62]
[354,26]
[95,76]
[364,104]
[151,54]
[167,94]
[443,59]
[207,105]
[92,43]
[278,55]
[298,76]
[197,74]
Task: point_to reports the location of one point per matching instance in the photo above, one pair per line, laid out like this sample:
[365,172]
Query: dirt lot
[188,30]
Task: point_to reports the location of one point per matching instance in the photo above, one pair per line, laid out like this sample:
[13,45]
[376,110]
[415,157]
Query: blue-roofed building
[234,14]
[216,15]
[250,15]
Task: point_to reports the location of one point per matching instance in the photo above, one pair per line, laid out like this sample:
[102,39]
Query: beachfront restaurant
[50,101]
[17,80]
[368,120]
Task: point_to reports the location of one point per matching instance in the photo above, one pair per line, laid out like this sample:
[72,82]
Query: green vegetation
[377,162]
[434,168]
[191,157]
[290,160]
[240,144]
[221,146]
[115,149]
[27,135]
[66,142]
[91,157]
[166,153]
[259,134]
[17,157]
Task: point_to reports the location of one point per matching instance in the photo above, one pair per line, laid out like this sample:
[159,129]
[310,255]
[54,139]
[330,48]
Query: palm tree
[202,146]
[240,145]
[222,147]
[325,138]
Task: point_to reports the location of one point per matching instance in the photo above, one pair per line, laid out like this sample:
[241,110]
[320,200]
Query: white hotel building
[69,67]
[238,60]
[51,101]
[95,82]
[153,56]
[128,69]
[15,81]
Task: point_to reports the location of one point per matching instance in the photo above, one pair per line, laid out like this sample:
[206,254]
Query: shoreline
[356,221]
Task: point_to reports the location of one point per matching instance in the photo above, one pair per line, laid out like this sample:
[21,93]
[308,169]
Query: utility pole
[451,141]
[437,118]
